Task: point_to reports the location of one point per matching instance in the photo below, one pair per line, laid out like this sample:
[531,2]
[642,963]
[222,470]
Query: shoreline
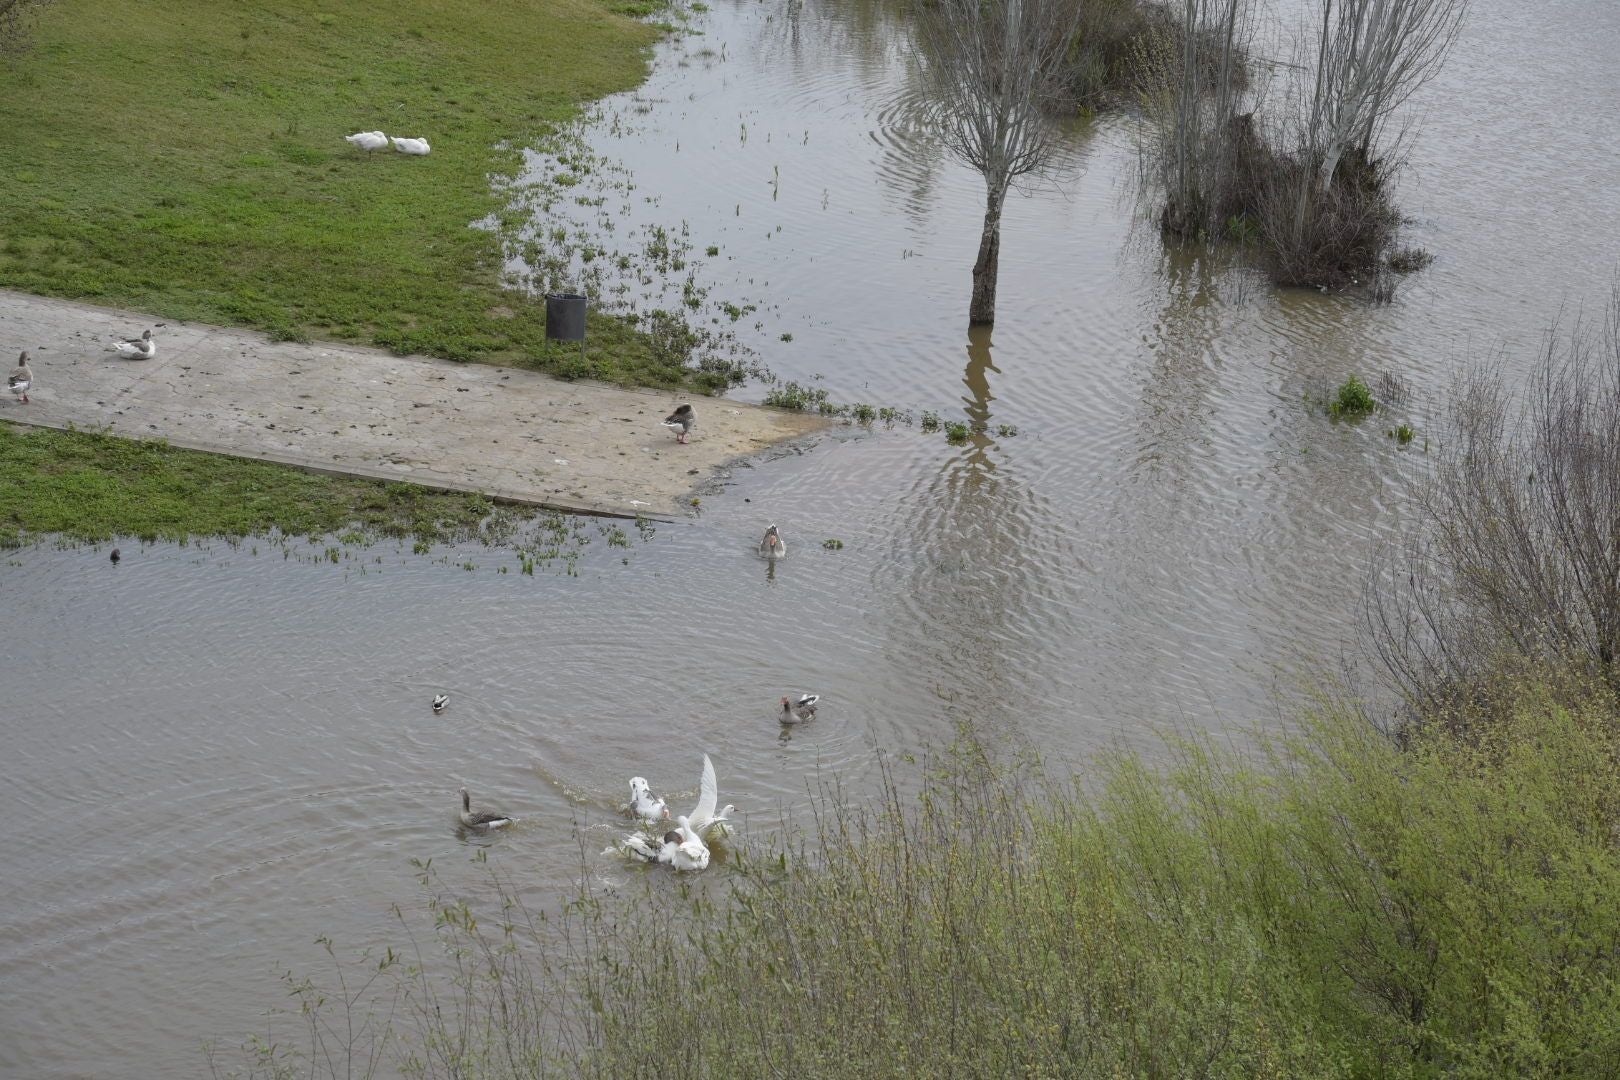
[512,434]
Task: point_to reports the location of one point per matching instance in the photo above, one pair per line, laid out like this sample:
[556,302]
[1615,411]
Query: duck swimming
[772,546]
[440,701]
[802,708]
[484,819]
[643,805]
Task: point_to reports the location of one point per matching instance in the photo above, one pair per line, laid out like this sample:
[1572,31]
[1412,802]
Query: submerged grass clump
[1340,907]
[1353,398]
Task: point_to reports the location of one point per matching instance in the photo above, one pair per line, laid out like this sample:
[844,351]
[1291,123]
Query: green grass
[185,157]
[91,487]
[1351,399]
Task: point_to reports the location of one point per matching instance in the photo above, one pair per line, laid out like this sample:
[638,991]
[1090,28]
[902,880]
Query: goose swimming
[683,420]
[702,819]
[644,805]
[772,546]
[367,140]
[484,819]
[418,147]
[22,377]
[663,852]
[141,348]
[798,709]
[440,701]
[692,853]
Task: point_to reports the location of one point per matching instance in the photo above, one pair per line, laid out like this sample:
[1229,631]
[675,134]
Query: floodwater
[216,754]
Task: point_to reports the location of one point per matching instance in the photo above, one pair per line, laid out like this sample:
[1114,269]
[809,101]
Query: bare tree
[1190,96]
[14,18]
[1516,553]
[1372,55]
[994,68]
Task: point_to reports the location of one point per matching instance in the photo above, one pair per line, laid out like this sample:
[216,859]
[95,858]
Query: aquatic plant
[1352,399]
[957,431]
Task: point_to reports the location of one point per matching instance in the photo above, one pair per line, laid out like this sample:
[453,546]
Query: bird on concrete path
[141,348]
[683,420]
[21,378]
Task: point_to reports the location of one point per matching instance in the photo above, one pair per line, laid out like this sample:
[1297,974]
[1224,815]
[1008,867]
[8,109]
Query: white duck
[643,805]
[772,546]
[21,378]
[367,140]
[440,701]
[662,852]
[484,819]
[419,147]
[141,348]
[703,819]
[692,853]
[795,710]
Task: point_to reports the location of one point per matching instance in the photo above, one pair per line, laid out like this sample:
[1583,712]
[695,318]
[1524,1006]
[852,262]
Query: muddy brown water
[213,755]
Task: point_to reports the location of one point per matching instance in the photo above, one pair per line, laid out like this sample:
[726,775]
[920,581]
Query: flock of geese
[683,847]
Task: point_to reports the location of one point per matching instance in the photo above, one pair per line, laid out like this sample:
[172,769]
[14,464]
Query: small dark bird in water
[683,420]
[796,711]
[483,819]
[440,701]
[115,556]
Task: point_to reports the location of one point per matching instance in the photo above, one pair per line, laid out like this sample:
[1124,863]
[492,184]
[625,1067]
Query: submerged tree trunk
[982,306]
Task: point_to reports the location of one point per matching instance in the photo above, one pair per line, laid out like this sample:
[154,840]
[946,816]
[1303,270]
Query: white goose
[692,853]
[141,348]
[367,140]
[772,546]
[21,378]
[644,805]
[662,852]
[419,147]
[703,819]
[484,819]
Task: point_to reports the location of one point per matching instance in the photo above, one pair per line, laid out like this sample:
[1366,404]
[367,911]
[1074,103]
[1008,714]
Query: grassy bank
[1341,909]
[91,488]
[186,158]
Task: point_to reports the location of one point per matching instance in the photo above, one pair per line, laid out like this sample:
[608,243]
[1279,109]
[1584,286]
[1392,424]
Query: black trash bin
[565,316]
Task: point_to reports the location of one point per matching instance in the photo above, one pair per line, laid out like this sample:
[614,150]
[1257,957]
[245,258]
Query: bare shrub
[1514,559]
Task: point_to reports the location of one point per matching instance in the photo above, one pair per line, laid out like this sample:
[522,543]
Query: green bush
[1353,399]
[1338,907]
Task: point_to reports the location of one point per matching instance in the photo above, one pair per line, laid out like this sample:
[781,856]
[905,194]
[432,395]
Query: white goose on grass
[141,348]
[22,377]
[417,147]
[644,805]
[484,819]
[367,140]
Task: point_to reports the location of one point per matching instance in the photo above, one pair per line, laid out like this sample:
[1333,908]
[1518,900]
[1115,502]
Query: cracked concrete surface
[509,433]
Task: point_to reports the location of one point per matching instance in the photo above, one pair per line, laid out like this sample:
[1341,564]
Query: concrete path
[509,433]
